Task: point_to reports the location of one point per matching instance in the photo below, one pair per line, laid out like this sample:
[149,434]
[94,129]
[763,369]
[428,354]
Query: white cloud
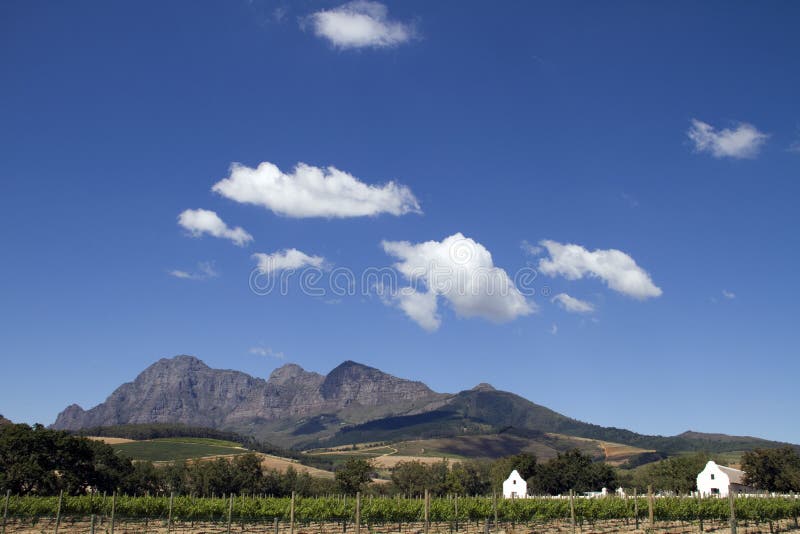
[360,24]
[573,305]
[730,295]
[420,307]
[200,222]
[267,352]
[289,258]
[205,270]
[618,270]
[554,329]
[314,192]
[462,272]
[742,142]
[530,249]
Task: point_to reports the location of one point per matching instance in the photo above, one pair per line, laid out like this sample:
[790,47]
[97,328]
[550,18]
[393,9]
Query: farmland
[472,514]
[177,449]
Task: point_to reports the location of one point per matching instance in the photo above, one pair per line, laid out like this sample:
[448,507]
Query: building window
[712,476]
[715,491]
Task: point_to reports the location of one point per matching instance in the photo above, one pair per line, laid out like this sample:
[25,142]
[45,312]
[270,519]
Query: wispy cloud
[618,270]
[744,141]
[554,329]
[530,249]
[632,201]
[573,305]
[199,222]
[310,191]
[289,258]
[730,295]
[360,24]
[205,270]
[460,271]
[267,352]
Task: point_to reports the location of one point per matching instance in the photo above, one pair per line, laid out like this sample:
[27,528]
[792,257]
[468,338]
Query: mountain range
[354,403]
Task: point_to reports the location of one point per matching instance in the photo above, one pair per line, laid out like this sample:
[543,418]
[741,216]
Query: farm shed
[721,480]
[515,487]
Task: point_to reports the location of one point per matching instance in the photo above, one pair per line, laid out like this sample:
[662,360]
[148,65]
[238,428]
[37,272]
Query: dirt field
[111,441]
[158,526]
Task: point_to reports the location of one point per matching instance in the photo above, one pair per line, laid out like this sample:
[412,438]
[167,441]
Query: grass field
[172,449]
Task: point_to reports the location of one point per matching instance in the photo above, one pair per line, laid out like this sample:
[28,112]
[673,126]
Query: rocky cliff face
[185,390]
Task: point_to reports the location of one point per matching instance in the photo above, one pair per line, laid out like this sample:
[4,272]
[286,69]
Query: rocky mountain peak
[483,386]
[291,372]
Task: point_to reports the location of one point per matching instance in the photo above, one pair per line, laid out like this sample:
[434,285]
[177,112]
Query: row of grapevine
[386,510]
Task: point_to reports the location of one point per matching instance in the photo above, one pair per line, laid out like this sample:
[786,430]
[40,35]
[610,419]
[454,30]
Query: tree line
[38,461]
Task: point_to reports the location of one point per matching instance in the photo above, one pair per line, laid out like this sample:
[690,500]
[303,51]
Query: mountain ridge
[350,404]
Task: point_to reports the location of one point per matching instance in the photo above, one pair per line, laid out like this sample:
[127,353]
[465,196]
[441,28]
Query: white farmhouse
[720,480]
[515,486]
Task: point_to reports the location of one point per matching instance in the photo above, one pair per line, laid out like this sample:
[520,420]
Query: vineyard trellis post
[700,508]
[169,516]
[291,514]
[731,500]
[91,526]
[5,510]
[572,510]
[427,511]
[650,505]
[58,510]
[230,511]
[275,525]
[358,512]
[494,508]
[455,505]
[635,509]
[113,509]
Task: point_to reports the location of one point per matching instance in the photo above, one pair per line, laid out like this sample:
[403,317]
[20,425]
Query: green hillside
[177,449]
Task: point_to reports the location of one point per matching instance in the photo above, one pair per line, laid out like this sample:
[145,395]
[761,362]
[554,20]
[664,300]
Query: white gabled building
[720,480]
[515,487]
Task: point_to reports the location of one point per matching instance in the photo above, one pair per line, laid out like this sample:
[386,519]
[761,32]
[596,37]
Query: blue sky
[661,140]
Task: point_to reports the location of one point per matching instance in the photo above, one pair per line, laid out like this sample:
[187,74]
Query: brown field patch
[390,461]
[110,441]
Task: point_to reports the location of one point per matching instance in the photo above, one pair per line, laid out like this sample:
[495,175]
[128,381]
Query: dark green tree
[353,475]
[572,470]
[773,469]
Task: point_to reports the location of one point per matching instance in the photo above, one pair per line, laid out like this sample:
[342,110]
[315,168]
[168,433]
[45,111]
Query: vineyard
[327,515]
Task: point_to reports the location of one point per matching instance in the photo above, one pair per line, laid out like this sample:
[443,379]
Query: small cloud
[462,272]
[267,352]
[279,13]
[360,24]
[573,305]
[530,249]
[290,258]
[795,147]
[742,142]
[631,200]
[205,270]
[730,295]
[310,191]
[200,221]
[554,329]
[618,270]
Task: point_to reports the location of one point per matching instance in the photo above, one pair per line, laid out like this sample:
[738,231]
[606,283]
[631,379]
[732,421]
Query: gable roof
[734,475]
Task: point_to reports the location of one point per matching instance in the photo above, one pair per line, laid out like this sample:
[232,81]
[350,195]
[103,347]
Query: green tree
[524,463]
[411,478]
[354,475]
[572,470]
[41,461]
[678,474]
[773,469]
